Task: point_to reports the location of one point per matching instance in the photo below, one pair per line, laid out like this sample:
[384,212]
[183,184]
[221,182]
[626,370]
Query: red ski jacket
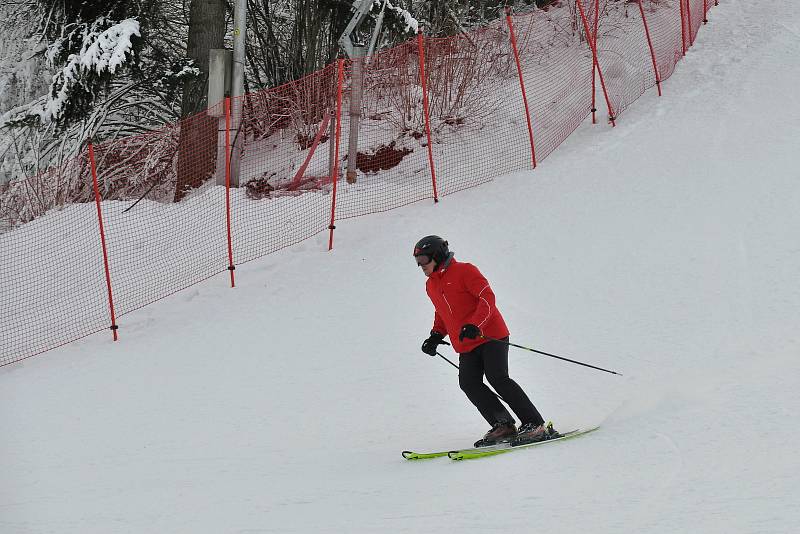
[461,295]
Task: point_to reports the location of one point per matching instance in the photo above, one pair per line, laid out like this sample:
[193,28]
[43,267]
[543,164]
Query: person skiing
[465,311]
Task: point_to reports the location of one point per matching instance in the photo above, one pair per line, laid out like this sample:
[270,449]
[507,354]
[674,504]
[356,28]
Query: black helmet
[434,247]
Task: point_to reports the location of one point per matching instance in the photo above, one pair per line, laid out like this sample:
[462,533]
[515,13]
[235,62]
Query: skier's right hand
[430,345]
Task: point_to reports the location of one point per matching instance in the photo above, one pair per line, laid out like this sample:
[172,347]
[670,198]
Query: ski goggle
[423,259]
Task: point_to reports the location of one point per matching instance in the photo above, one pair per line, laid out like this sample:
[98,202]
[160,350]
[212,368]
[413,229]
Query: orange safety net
[436,116]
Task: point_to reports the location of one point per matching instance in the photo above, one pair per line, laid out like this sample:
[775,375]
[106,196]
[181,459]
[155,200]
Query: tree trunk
[197,145]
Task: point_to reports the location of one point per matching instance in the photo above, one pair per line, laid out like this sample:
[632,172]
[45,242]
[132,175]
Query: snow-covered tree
[89,45]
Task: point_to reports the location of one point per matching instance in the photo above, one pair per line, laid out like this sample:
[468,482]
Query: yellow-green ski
[411,455]
[470,454]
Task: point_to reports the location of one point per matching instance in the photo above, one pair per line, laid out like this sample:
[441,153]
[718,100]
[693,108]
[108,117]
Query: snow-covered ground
[666,249]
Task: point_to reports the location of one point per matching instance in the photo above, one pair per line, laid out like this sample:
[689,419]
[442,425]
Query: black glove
[469,331]
[430,345]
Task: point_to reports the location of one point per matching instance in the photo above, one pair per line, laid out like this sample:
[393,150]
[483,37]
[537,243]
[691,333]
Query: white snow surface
[666,248]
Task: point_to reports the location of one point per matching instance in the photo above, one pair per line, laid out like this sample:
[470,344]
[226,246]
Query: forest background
[105,69]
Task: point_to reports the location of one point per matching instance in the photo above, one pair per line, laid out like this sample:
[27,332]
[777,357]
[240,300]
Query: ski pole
[445,359]
[551,355]
[457,367]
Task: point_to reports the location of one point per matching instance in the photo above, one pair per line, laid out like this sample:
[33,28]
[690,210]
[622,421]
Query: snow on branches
[411,23]
[92,53]
[109,49]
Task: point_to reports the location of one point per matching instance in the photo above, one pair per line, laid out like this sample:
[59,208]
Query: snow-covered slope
[666,249]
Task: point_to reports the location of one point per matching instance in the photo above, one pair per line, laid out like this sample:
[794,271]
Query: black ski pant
[491,359]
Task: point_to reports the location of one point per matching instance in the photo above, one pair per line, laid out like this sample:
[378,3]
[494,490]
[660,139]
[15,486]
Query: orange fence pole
[424,82]
[93,166]
[683,27]
[690,37]
[231,266]
[521,84]
[594,69]
[650,44]
[335,177]
[593,45]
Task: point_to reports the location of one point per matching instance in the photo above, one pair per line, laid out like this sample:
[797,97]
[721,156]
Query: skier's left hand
[469,331]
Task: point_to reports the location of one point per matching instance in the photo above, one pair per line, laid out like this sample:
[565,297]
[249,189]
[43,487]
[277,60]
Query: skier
[465,310]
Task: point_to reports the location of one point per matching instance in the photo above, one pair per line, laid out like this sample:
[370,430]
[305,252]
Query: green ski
[411,455]
[469,454]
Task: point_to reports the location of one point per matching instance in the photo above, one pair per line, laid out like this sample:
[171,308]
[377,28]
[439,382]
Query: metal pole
[439,354]
[551,355]
[237,86]
[219,88]
[376,32]
[356,84]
